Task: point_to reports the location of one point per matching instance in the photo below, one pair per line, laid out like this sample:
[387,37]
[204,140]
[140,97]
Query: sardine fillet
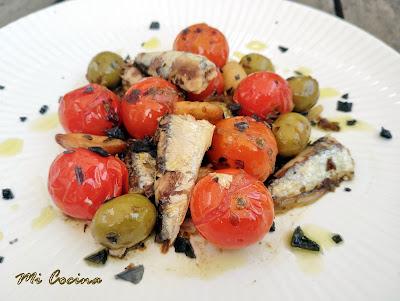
[318,169]
[142,172]
[182,142]
[189,71]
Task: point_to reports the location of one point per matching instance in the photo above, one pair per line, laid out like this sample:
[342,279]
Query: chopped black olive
[344,106]
[99,257]
[155,25]
[182,245]
[44,109]
[347,189]
[69,151]
[234,108]
[385,133]
[337,238]
[13,241]
[98,150]
[351,122]
[2,87]
[7,194]
[299,240]
[1,259]
[116,132]
[272,229]
[134,274]
[23,118]
[88,89]
[241,126]
[79,175]
[283,49]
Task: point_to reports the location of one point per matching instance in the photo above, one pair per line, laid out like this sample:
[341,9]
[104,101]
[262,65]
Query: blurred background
[379,17]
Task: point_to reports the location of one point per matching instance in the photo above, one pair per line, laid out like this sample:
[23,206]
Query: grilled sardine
[182,142]
[189,71]
[316,170]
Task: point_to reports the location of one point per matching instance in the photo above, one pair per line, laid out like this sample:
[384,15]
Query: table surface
[379,17]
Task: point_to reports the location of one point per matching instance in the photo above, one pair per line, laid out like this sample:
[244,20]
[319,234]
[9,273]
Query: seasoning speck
[23,118]
[7,194]
[1,259]
[2,87]
[241,126]
[98,150]
[154,25]
[345,96]
[272,229]
[337,238]
[351,122]
[347,189]
[13,241]
[344,106]
[99,257]
[283,49]
[385,133]
[237,77]
[299,240]
[69,151]
[44,109]
[132,274]
[298,73]
[183,245]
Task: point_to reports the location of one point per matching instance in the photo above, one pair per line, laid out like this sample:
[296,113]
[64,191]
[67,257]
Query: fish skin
[320,168]
[191,72]
[182,143]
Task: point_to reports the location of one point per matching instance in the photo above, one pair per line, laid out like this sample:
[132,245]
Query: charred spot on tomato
[234,219]
[241,203]
[215,179]
[299,240]
[99,257]
[260,142]
[185,31]
[330,165]
[112,116]
[88,89]
[133,96]
[345,96]
[241,126]
[198,30]
[112,237]
[79,175]
[98,150]
[239,164]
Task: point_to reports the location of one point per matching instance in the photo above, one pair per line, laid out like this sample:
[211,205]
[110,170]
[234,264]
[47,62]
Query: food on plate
[316,170]
[81,180]
[182,142]
[255,62]
[292,132]
[225,109]
[305,91]
[231,209]
[204,40]
[141,165]
[124,221]
[191,72]
[200,110]
[145,102]
[214,88]
[263,94]
[130,75]
[91,109]
[242,142]
[385,133]
[233,74]
[344,106]
[105,69]
[301,241]
[77,140]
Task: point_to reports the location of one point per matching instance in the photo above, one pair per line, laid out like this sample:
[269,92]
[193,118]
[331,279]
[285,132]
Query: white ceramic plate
[45,55]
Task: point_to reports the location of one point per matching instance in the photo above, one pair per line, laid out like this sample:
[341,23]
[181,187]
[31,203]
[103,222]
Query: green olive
[292,132]
[105,69]
[255,62]
[305,90]
[124,221]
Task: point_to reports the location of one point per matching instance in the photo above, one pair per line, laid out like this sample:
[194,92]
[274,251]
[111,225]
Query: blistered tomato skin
[204,40]
[145,102]
[231,209]
[263,94]
[215,87]
[243,143]
[80,181]
[92,109]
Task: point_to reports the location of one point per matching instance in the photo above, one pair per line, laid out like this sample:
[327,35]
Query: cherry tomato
[215,87]
[80,181]
[231,209]
[91,109]
[204,40]
[241,142]
[145,102]
[264,94]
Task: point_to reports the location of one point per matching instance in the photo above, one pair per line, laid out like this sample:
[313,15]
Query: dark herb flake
[299,240]
[182,245]
[98,150]
[351,122]
[385,133]
[69,151]
[154,25]
[344,106]
[132,274]
[345,96]
[1,259]
[13,241]
[2,87]
[272,229]
[99,257]
[44,109]
[7,194]
[347,189]
[337,238]
[23,118]
[283,49]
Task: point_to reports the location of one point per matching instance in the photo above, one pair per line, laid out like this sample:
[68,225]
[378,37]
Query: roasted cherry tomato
[80,181]
[231,209]
[264,94]
[215,87]
[91,109]
[241,142]
[145,102]
[204,40]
